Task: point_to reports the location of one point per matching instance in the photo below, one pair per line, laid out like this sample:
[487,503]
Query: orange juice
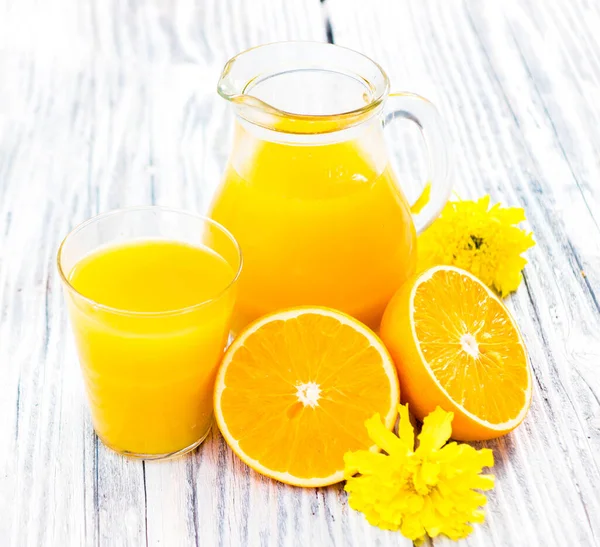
[318,225]
[148,349]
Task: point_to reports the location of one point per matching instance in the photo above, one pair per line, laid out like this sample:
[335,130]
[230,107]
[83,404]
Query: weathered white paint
[107,104]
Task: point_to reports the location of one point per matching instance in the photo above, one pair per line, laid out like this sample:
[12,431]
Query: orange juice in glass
[309,191]
[150,293]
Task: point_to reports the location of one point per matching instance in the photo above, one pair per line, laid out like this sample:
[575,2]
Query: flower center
[477,241]
[308,393]
[469,345]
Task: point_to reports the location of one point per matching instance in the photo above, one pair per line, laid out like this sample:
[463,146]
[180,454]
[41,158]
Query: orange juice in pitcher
[309,192]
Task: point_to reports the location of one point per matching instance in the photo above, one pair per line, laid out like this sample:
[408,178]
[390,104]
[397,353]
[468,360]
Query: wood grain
[109,104]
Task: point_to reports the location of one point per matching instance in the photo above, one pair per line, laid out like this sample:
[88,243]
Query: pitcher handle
[437,189]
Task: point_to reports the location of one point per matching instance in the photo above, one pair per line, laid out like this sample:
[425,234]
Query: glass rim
[360,112]
[120,311]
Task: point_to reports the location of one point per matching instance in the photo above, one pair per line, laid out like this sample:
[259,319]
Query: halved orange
[295,388]
[456,346]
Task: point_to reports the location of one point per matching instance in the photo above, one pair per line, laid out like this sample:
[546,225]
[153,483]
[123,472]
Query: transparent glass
[309,191]
[149,375]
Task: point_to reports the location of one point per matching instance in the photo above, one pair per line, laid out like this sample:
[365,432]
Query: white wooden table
[111,103]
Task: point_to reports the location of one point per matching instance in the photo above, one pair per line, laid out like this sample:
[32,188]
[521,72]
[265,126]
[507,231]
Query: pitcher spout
[294,87]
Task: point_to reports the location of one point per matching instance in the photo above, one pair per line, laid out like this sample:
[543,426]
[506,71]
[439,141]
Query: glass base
[158,457]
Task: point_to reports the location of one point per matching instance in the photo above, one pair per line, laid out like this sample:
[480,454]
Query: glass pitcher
[308,191]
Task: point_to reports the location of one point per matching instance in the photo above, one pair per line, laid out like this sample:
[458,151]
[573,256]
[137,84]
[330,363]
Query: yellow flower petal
[483,482]
[382,436]
[363,461]
[422,200]
[412,528]
[425,477]
[427,492]
[437,428]
[485,241]
[478,516]
[406,433]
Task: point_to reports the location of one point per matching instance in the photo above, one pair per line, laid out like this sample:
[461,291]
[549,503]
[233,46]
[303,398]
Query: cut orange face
[295,388]
[456,346]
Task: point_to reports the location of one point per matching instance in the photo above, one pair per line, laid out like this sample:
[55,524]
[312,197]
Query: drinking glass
[149,376]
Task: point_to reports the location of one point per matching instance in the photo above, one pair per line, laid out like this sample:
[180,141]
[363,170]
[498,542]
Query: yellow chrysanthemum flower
[483,240]
[427,491]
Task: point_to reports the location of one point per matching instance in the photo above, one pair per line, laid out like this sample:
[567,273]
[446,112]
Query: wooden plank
[466,56]
[44,418]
